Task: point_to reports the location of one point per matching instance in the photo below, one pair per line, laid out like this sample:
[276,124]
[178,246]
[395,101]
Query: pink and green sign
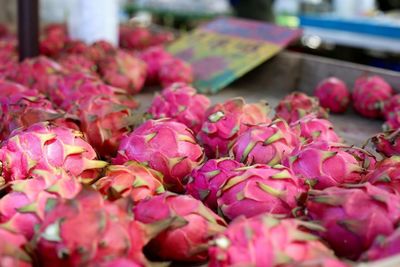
[227,48]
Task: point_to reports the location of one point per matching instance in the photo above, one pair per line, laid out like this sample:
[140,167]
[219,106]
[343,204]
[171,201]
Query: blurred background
[362,31]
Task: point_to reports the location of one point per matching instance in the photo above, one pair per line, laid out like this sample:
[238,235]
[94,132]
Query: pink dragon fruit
[99,51]
[225,122]
[333,95]
[87,231]
[105,121]
[268,242]
[165,146]
[77,63]
[383,247]
[205,181]
[297,105]
[23,208]
[369,95]
[365,158]
[53,41]
[386,175]
[131,179]
[265,189]
[134,37]
[124,71]
[310,129]
[264,144]
[181,103]
[45,147]
[175,70]
[12,253]
[190,239]
[387,143]
[154,57]
[354,216]
[39,73]
[75,47]
[324,165]
[391,105]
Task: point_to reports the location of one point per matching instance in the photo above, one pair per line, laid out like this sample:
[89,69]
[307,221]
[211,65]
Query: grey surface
[292,71]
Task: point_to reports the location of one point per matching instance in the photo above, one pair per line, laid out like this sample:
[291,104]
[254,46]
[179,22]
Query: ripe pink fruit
[205,181]
[87,230]
[175,70]
[53,41]
[189,239]
[12,253]
[365,158]
[268,242]
[75,47]
[323,165]
[134,37]
[265,144]
[297,105]
[369,95]
[124,71]
[77,63]
[391,105]
[104,120]
[100,50]
[310,129]
[260,189]
[333,95]
[40,73]
[383,247]
[386,175]
[23,208]
[45,147]
[154,57]
[181,103]
[387,143]
[130,180]
[165,146]
[354,216]
[225,122]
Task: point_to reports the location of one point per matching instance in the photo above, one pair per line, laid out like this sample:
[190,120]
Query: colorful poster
[227,48]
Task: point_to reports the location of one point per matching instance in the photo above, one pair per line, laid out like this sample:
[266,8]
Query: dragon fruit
[391,105]
[333,95]
[297,105]
[53,41]
[181,103]
[387,143]
[310,129]
[175,70]
[45,147]
[154,57]
[77,63]
[124,71]
[265,189]
[354,216]
[134,37]
[386,175]
[75,47]
[267,241]
[130,180]
[190,240]
[365,158]
[225,122]
[384,247]
[369,95]
[63,239]
[99,50]
[104,120]
[12,253]
[205,181]
[264,144]
[39,73]
[323,165]
[165,146]
[23,208]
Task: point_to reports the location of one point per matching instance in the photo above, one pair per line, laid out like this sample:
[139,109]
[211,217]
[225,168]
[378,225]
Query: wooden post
[28,28]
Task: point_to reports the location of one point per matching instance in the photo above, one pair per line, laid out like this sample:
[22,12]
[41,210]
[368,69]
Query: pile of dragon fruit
[86,180]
